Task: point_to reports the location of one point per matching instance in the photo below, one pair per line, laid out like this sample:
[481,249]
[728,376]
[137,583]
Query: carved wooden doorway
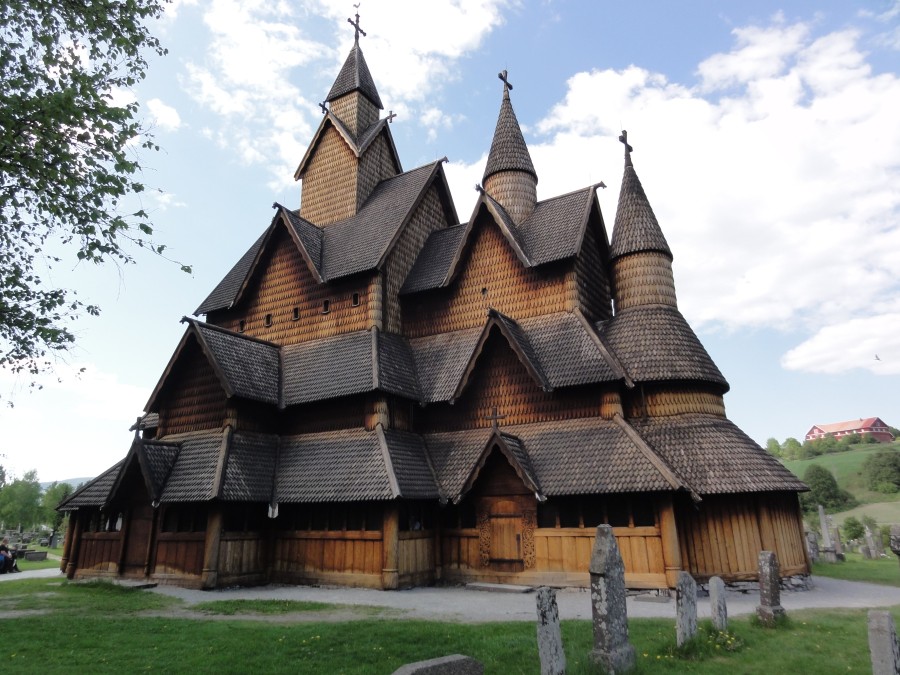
[137,540]
[506,536]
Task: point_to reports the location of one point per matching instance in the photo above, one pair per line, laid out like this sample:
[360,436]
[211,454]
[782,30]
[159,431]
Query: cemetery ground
[50,625]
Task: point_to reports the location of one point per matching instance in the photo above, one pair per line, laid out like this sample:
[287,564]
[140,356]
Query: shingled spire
[510,177]
[353,96]
[641,258]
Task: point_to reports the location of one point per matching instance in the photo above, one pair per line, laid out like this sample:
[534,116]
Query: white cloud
[870,343]
[164,116]
[778,198]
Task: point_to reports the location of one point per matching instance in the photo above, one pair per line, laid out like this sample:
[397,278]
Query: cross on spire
[324,108]
[391,116]
[494,418]
[355,24]
[507,86]
[624,139]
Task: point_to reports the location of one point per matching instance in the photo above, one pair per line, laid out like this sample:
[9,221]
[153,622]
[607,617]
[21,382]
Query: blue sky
[765,135]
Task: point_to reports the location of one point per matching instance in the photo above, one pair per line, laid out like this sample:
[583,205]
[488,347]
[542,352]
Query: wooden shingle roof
[636,228]
[94,493]
[355,76]
[508,149]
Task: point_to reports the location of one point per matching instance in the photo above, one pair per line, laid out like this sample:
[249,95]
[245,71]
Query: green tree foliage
[853,528]
[50,500]
[69,167]
[882,472]
[791,449]
[20,502]
[824,490]
[773,447]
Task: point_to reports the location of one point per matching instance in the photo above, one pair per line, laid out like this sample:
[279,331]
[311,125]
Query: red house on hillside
[870,425]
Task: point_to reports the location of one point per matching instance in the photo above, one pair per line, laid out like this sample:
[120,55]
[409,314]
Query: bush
[853,528]
[824,490]
[882,472]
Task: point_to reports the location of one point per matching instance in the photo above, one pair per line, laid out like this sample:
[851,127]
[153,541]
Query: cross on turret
[391,116]
[503,75]
[494,418]
[355,24]
[324,108]
[624,139]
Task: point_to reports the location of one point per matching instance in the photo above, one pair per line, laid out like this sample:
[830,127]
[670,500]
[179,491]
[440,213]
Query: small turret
[510,178]
[641,258]
[353,97]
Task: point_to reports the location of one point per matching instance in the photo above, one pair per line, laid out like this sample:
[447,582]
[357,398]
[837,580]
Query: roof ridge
[221,329]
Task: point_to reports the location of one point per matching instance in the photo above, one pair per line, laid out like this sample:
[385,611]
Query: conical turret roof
[508,149]
[355,76]
[636,228]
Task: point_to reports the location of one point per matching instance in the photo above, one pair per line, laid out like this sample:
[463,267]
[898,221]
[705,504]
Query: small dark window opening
[326,306]
[296,315]
[617,511]
[569,515]
[268,320]
[467,517]
[592,512]
[484,291]
[546,514]
[241,326]
[355,300]
[643,513]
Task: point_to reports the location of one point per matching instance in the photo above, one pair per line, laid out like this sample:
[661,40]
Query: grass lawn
[885,571]
[100,628]
[847,470]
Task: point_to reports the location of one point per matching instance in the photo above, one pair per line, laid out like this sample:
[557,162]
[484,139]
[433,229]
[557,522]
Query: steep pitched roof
[193,478]
[655,343]
[714,455]
[246,367]
[508,149]
[357,244]
[249,469]
[355,76]
[353,465]
[554,231]
[94,493]
[155,460]
[636,228]
[512,448]
[357,144]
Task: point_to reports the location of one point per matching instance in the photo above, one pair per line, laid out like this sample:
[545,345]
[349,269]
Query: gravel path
[456,603]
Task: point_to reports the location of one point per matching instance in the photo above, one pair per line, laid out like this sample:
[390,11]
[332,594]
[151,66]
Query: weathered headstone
[866,552]
[685,608]
[870,541]
[879,543]
[769,608]
[883,647]
[823,524]
[895,540]
[812,545]
[838,544]
[612,650]
[455,664]
[717,606]
[549,637]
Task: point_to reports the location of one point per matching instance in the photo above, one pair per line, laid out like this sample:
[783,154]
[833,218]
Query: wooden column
[150,557]
[668,529]
[210,575]
[72,564]
[123,535]
[438,546]
[390,574]
[67,542]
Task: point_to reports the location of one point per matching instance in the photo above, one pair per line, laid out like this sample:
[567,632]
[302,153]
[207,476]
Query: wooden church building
[381,395]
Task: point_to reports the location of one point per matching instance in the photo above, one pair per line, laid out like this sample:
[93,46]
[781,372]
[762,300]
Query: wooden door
[137,540]
[506,536]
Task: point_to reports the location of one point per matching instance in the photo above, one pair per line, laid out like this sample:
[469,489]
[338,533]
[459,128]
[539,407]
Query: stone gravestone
[838,544]
[812,545]
[685,608]
[879,543]
[612,650]
[769,608]
[883,648]
[456,664]
[549,637]
[827,550]
[870,543]
[866,552]
[717,607]
[895,540]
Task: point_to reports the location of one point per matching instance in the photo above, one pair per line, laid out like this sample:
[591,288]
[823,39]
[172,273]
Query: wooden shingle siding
[287,284]
[656,401]
[429,216]
[195,399]
[591,282]
[355,111]
[501,380]
[375,165]
[509,287]
[644,279]
[329,185]
[516,191]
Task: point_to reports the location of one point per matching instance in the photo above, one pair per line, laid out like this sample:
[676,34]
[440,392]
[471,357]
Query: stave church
[378,394]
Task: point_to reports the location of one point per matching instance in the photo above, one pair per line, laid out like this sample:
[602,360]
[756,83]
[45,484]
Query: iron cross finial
[624,139]
[355,24]
[494,417]
[391,116]
[503,75]
[323,107]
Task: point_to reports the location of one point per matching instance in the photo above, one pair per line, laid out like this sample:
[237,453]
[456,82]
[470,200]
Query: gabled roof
[353,465]
[554,231]
[94,493]
[155,460]
[195,475]
[636,228]
[607,459]
[849,425]
[514,451]
[245,367]
[355,76]
[357,244]
[655,343]
[352,363]
[545,345]
[508,149]
[358,145]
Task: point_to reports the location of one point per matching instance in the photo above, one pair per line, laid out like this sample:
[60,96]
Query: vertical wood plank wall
[415,557]
[724,536]
[98,553]
[179,553]
[351,557]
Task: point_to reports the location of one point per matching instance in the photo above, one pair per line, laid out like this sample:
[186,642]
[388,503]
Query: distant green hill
[847,470]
